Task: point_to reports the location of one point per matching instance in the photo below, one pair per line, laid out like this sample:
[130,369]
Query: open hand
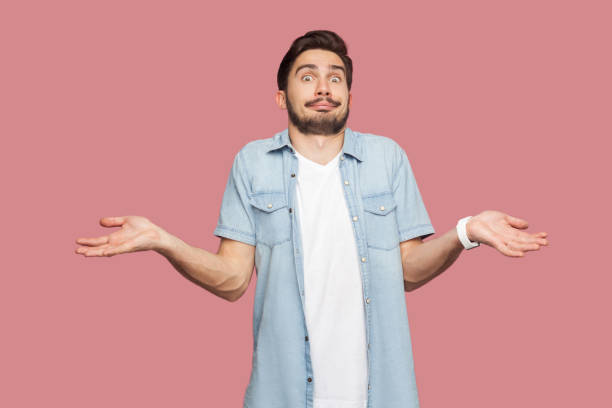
[504,233]
[136,234]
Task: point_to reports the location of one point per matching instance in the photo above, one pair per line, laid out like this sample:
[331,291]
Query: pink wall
[138,107]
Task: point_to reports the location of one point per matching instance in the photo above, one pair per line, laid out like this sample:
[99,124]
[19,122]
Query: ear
[280,99]
[349,101]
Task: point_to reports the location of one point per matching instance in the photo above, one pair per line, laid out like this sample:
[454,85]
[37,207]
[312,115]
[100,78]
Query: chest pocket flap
[381,204]
[381,221]
[268,202]
[272,218]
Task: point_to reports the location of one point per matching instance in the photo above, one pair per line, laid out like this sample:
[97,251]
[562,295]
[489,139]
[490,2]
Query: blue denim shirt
[385,206]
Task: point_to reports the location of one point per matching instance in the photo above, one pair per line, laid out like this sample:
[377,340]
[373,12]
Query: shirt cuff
[232,233]
[423,231]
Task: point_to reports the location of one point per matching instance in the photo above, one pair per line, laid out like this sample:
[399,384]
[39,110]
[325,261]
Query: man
[334,223]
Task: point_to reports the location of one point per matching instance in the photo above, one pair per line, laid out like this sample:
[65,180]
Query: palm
[136,234]
[504,233]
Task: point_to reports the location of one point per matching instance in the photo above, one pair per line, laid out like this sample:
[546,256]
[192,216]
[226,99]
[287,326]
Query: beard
[323,124]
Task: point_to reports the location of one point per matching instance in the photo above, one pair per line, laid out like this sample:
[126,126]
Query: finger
[507,250]
[523,246]
[92,251]
[93,241]
[112,221]
[125,247]
[525,238]
[502,247]
[517,222]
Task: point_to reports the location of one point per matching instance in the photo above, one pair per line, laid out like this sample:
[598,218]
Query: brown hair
[317,39]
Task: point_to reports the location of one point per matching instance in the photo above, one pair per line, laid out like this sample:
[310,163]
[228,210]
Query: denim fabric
[258,208]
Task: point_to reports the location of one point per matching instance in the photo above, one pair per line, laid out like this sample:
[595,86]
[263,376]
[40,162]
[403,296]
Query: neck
[318,148]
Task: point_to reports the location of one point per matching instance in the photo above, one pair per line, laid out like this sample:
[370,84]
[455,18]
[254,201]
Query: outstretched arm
[226,274]
[422,261]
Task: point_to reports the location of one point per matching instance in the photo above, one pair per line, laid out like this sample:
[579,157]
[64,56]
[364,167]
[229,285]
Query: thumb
[517,222]
[112,221]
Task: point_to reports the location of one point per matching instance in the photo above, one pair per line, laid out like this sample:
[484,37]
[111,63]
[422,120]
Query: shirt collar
[351,144]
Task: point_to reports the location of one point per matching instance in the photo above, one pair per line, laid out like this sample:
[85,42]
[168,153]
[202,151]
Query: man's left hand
[504,233]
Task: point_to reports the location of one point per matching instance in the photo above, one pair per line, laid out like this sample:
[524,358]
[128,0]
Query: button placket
[292,181]
[352,195]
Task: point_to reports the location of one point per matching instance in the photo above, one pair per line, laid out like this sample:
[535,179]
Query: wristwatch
[462,233]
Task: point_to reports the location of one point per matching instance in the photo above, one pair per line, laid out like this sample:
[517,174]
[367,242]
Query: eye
[307,76]
[336,77]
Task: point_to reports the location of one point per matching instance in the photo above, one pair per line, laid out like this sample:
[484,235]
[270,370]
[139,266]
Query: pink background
[138,107]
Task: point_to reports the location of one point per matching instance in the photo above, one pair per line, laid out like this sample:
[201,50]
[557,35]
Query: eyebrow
[313,66]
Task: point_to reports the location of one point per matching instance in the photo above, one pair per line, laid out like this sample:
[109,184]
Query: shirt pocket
[272,218]
[381,221]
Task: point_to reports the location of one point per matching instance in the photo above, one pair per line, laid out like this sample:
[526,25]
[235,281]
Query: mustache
[328,100]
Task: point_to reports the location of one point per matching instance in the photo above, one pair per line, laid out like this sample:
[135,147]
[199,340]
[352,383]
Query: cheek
[302,94]
[341,94]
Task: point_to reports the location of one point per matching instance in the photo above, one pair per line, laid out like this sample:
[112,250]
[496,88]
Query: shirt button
[355,218]
[382,208]
[306,338]
[292,174]
[369,387]
[363,259]
[367,300]
[269,205]
[346,182]
[290,210]
[309,379]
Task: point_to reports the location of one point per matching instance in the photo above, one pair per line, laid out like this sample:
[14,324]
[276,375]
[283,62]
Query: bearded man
[333,221]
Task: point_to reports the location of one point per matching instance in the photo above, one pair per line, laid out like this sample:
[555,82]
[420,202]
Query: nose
[323,89]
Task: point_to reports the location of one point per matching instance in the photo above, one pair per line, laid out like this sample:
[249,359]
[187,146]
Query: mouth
[322,106]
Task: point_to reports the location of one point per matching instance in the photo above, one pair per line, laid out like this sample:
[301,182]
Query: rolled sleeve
[236,215]
[412,217]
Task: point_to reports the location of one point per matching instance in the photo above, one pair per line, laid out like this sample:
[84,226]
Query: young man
[333,221]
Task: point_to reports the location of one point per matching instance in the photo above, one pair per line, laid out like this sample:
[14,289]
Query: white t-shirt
[333,294]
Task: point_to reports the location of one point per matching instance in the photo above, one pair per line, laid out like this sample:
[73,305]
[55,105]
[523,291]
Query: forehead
[320,58]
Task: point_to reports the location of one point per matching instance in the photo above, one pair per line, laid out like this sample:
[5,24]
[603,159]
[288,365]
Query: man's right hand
[226,274]
[136,234]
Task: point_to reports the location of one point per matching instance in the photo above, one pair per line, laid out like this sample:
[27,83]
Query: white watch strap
[462,233]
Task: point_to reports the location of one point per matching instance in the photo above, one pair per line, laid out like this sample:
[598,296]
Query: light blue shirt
[385,206]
